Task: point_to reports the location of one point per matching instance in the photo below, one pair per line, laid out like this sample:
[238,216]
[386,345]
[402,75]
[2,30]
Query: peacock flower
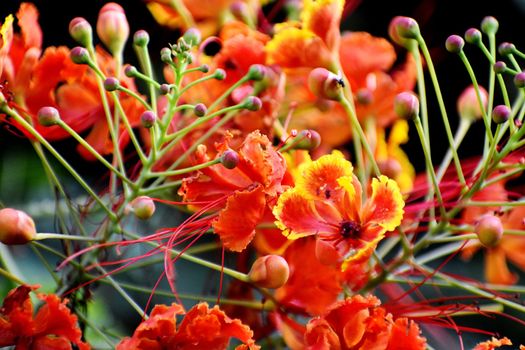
[314,42]
[390,157]
[201,328]
[327,203]
[242,192]
[361,323]
[494,343]
[52,327]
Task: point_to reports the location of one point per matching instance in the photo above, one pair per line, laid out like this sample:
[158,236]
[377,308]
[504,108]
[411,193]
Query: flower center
[350,229]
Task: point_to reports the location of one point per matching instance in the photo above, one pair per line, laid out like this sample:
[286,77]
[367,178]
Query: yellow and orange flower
[327,202]
[360,323]
[494,343]
[52,327]
[201,328]
[243,192]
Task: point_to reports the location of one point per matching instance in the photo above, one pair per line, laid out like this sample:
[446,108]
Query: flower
[493,344]
[326,202]
[53,326]
[360,323]
[243,192]
[201,328]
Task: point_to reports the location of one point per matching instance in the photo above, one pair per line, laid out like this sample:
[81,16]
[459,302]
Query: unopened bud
[113,27]
[220,74]
[200,109]
[111,84]
[473,36]
[79,55]
[403,30]
[204,68]
[229,159]
[454,44]
[325,84]
[468,105]
[16,227]
[390,167]
[499,67]
[406,105]
[252,103]
[489,230]
[270,271]
[500,114]
[148,119]
[239,9]
[489,25]
[48,116]
[143,207]
[141,38]
[364,96]
[307,139]
[505,48]
[519,80]
[131,71]
[81,31]
[164,89]
[256,72]
[192,37]
[165,55]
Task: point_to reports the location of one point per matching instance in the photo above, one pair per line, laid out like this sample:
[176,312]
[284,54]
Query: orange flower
[201,328]
[509,247]
[326,202]
[360,323]
[244,192]
[53,326]
[493,344]
[54,80]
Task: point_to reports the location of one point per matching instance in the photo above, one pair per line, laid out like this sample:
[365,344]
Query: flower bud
[500,114]
[164,89]
[489,25]
[48,116]
[192,37]
[489,230]
[454,44]
[473,36]
[468,106]
[113,27]
[364,96]
[148,119]
[165,55]
[505,49]
[111,84]
[390,167]
[270,271]
[81,31]
[307,139]
[141,38]
[200,109]
[252,103]
[325,84]
[16,227]
[499,67]
[130,71]
[256,72]
[204,68]
[220,74]
[143,207]
[406,105]
[229,159]
[403,30]
[79,55]
[519,80]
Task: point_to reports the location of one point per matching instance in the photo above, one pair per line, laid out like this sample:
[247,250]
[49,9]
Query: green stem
[185,170]
[43,236]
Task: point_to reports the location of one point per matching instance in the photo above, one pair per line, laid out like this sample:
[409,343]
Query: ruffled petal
[496,269]
[406,335]
[320,336]
[385,206]
[237,221]
[323,18]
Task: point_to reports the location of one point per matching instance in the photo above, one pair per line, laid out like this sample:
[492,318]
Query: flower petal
[385,206]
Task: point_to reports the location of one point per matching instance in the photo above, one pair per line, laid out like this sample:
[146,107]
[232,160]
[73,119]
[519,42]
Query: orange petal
[493,344]
[323,18]
[320,336]
[28,21]
[298,216]
[385,206]
[236,222]
[496,269]
[406,335]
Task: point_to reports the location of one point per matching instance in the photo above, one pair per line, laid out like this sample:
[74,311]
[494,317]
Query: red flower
[360,323]
[244,192]
[201,328]
[53,326]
